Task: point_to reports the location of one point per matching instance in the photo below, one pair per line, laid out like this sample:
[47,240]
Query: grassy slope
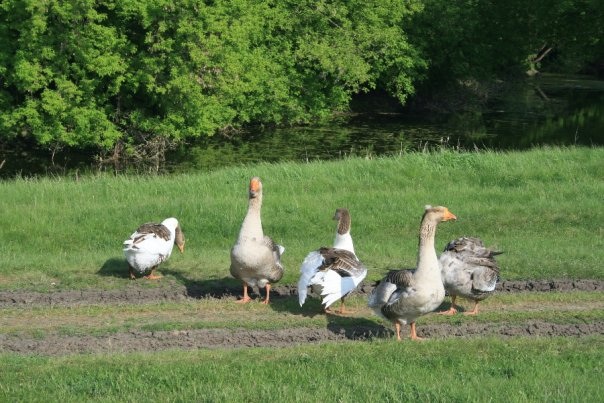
[542,207]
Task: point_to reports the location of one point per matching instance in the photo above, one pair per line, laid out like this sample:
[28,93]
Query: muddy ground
[232,338]
[224,289]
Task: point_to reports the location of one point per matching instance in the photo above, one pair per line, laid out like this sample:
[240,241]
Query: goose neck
[344,241]
[252,223]
[427,261]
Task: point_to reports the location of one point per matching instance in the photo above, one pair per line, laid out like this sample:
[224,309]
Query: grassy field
[542,207]
[489,369]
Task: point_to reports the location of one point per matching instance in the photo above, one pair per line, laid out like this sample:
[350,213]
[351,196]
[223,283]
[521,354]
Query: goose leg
[397,327]
[414,335]
[452,310]
[246,298]
[342,309]
[473,311]
[152,276]
[268,291]
[131,270]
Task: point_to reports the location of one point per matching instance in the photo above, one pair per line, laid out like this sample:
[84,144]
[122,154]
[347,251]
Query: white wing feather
[336,286]
[308,270]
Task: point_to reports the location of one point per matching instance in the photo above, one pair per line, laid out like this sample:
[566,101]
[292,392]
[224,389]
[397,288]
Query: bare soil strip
[219,289]
[53,344]
[223,338]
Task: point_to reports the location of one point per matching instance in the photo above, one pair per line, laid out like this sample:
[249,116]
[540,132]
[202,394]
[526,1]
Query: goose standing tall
[151,244]
[469,270]
[255,258]
[334,272]
[404,295]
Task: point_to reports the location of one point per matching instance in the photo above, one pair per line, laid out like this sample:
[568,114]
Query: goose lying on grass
[150,245]
[404,295]
[255,258]
[332,273]
[469,270]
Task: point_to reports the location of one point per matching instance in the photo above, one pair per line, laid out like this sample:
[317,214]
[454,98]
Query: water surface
[545,110]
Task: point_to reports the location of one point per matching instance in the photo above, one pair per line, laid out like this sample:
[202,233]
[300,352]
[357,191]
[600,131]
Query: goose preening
[151,244]
[469,270]
[332,273]
[255,258]
[404,295]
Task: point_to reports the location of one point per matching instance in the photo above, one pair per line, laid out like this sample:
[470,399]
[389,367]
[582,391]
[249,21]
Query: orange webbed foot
[451,311]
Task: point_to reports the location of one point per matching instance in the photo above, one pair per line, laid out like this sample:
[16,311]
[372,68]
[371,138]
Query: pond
[545,110]
[549,110]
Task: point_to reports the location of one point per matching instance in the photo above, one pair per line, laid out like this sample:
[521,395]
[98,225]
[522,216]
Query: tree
[132,77]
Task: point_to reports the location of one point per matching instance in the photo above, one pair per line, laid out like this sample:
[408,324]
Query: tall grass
[542,207]
[511,370]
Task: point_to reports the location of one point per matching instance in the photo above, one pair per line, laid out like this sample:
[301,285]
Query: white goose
[469,270]
[151,244]
[255,258]
[334,272]
[404,295]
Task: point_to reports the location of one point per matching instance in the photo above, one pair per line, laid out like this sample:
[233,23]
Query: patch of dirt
[217,289]
[239,338]
[131,341]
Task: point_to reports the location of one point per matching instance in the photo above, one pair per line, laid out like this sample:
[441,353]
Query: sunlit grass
[489,369]
[542,207]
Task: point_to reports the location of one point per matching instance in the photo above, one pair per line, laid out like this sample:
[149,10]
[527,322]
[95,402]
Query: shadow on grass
[350,327]
[355,328]
[214,288]
[115,267]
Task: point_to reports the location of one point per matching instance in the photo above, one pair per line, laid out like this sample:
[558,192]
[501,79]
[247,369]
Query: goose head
[438,214]
[342,216]
[255,188]
[179,237]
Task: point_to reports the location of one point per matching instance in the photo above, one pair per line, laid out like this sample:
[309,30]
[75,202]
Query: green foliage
[468,39]
[118,74]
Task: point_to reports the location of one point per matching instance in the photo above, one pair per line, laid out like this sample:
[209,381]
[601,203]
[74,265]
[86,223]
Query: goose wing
[337,271]
[343,273]
[469,255]
[390,288]
[148,238]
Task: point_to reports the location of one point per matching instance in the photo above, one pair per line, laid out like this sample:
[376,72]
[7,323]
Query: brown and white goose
[332,273]
[255,258]
[151,244]
[469,270]
[404,295]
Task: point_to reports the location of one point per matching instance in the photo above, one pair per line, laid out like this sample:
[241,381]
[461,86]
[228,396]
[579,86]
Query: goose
[334,272]
[404,295]
[469,270]
[151,244]
[255,258]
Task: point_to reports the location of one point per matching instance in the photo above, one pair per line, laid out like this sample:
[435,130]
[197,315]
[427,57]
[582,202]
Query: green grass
[542,207]
[489,369]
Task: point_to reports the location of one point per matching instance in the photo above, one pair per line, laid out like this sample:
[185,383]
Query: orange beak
[254,185]
[181,248]
[449,216]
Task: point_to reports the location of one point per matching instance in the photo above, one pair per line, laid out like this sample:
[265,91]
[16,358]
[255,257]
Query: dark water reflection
[548,110]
